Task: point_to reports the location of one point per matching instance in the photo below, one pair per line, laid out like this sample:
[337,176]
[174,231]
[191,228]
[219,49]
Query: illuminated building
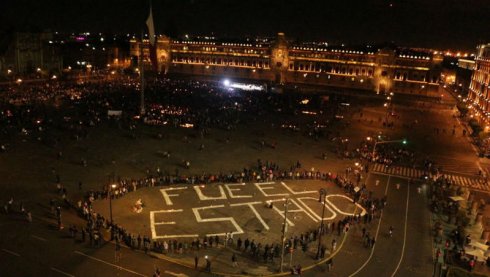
[480,82]
[30,54]
[398,70]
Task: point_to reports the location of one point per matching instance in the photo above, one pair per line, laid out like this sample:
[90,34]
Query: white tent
[478,253]
[456,198]
[479,245]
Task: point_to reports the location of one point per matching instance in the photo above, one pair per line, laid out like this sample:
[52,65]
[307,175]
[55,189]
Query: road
[37,249]
[408,252]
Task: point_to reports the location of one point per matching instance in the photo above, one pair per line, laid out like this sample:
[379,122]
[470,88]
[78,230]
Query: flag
[153,46]
[151,27]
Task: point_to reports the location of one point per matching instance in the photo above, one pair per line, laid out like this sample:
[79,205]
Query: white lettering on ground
[217,219]
[298,209]
[334,214]
[230,191]
[203,197]
[265,186]
[297,192]
[250,205]
[153,224]
[350,200]
[166,196]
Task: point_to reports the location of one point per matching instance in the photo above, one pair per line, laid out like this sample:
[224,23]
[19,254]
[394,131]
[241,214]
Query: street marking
[334,214]
[404,233]
[62,272]
[262,189]
[38,238]
[297,192]
[203,197]
[377,232]
[153,224]
[230,191]
[250,205]
[281,213]
[349,199]
[456,178]
[108,263]
[176,274]
[166,196]
[232,220]
[11,252]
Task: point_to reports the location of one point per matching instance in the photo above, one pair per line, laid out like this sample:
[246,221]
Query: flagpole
[142,70]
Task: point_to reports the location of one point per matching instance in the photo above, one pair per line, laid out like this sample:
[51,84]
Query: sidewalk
[473,230]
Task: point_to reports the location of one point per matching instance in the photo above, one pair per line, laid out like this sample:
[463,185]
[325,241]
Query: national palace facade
[280,61]
[479,91]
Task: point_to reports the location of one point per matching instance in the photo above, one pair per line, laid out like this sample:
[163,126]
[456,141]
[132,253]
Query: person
[196,261]
[157,272]
[208,264]
[234,260]
[329,264]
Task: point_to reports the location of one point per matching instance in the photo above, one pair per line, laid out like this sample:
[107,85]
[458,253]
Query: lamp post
[284,230]
[323,196]
[113,186]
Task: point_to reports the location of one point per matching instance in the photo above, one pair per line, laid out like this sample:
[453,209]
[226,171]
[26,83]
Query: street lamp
[323,196]
[284,230]
[113,186]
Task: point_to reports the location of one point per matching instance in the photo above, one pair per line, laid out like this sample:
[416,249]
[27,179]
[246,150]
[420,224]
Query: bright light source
[226,83]
[404,141]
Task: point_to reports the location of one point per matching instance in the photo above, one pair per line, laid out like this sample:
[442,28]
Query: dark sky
[445,24]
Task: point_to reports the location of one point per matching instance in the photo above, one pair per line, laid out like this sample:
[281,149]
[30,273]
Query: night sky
[442,24]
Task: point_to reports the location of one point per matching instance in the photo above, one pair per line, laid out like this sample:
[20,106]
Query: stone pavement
[473,230]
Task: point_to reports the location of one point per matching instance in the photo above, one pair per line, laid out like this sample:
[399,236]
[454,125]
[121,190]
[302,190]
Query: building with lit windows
[480,83]
[279,61]
[30,54]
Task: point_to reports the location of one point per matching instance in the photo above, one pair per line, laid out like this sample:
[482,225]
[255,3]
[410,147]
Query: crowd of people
[34,112]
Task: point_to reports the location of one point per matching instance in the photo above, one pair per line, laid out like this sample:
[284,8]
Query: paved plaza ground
[28,173]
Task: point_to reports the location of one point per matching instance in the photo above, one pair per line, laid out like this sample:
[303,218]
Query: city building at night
[279,61]
[30,54]
[480,83]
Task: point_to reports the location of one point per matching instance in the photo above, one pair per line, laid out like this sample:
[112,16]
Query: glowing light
[226,83]
[248,87]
